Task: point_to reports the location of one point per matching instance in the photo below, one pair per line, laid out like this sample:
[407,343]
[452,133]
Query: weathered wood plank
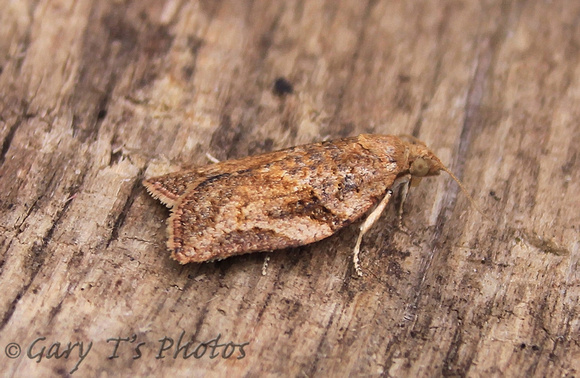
[95,96]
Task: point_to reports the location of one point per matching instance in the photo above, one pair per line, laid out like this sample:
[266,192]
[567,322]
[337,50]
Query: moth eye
[420,167]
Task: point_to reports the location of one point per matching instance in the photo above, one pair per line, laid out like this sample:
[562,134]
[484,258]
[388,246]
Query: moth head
[423,162]
[424,166]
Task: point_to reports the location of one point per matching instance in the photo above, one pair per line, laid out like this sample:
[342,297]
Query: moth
[289,198]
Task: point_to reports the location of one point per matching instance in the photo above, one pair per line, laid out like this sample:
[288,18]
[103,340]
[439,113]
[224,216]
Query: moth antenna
[464,190]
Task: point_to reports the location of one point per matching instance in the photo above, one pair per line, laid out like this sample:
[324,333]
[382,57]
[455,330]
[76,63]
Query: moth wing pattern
[168,188]
[283,199]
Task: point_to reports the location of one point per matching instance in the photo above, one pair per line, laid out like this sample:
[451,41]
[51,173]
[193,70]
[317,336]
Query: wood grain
[95,96]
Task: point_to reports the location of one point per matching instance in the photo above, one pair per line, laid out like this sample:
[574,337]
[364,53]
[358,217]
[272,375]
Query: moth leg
[404,182]
[265,265]
[367,224]
[211,158]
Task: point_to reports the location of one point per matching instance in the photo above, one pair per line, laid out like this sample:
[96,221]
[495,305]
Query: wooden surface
[95,96]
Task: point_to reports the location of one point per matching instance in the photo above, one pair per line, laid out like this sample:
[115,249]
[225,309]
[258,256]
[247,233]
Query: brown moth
[288,198]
